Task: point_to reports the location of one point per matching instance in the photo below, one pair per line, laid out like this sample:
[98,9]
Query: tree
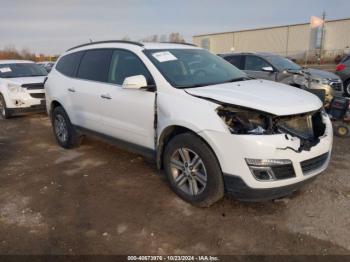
[176,38]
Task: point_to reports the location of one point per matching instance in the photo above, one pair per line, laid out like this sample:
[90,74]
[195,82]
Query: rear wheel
[65,133]
[4,112]
[193,170]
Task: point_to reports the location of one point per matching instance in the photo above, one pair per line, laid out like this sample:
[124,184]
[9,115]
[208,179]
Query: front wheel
[4,112]
[65,133]
[192,170]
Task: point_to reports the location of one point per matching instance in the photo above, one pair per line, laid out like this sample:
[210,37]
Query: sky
[51,27]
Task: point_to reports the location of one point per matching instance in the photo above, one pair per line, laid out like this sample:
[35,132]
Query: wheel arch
[170,132]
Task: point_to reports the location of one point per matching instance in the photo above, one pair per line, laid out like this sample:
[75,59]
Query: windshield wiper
[195,85]
[237,79]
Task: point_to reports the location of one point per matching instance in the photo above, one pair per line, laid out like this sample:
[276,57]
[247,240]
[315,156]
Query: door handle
[71,90]
[106,96]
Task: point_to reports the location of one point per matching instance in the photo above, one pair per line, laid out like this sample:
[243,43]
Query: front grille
[336,85]
[283,171]
[33,86]
[38,95]
[313,164]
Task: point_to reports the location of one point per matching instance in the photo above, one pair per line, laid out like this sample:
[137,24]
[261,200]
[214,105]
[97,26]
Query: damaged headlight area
[243,121]
[308,127]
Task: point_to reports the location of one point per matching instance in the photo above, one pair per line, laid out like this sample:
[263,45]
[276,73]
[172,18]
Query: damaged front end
[307,127]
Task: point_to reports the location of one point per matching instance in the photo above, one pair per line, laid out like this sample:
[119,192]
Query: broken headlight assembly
[308,127]
[244,121]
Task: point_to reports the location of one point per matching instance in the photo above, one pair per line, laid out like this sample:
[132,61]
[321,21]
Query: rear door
[91,77]
[128,114]
[253,67]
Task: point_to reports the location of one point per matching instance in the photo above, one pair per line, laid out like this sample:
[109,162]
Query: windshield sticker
[164,56]
[5,70]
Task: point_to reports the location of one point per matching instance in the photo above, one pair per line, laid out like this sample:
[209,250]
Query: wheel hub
[188,171]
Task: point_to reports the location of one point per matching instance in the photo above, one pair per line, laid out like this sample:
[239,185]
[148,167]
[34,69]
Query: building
[298,40]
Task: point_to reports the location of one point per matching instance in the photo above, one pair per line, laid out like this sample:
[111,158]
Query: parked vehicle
[47,65]
[343,71]
[339,112]
[280,69]
[21,87]
[209,126]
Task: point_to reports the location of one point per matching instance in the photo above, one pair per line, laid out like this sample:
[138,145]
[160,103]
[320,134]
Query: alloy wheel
[188,171]
[348,89]
[61,129]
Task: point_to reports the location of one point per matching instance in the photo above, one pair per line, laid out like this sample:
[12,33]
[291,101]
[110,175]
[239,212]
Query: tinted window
[282,63]
[235,60]
[21,70]
[125,64]
[68,64]
[255,63]
[95,65]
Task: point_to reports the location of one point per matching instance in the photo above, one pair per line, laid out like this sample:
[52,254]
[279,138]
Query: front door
[127,114]
[254,65]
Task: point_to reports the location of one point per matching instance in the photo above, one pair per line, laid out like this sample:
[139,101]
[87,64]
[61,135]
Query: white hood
[272,97]
[26,80]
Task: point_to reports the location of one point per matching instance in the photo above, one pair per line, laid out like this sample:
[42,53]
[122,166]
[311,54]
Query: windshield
[282,63]
[21,70]
[186,68]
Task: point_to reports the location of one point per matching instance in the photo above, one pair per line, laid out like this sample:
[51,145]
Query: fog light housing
[262,169]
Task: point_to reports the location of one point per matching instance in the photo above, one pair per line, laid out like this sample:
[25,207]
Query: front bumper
[233,150]
[26,101]
[236,187]
[32,109]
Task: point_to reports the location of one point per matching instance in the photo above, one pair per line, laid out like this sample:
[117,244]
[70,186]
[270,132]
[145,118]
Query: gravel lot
[98,199]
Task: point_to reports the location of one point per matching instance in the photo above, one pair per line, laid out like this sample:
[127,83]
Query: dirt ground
[98,199]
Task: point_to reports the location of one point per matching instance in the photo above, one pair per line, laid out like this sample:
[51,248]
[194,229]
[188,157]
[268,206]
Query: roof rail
[178,43]
[107,42]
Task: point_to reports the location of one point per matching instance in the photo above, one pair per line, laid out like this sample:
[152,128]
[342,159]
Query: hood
[27,80]
[271,97]
[315,73]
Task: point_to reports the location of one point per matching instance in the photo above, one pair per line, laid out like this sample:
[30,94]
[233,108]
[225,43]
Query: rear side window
[255,63]
[235,60]
[68,64]
[125,64]
[95,65]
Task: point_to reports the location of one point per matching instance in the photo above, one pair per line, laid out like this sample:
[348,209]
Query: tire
[183,175]
[347,88]
[65,133]
[4,112]
[342,130]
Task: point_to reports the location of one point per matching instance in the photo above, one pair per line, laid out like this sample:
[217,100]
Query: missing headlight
[244,121]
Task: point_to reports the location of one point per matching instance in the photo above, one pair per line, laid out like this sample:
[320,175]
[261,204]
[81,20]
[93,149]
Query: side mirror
[135,82]
[268,69]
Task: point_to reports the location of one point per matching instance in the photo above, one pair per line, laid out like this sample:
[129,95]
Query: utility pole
[322,34]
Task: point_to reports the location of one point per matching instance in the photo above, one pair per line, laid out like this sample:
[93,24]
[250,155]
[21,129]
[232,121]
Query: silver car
[280,69]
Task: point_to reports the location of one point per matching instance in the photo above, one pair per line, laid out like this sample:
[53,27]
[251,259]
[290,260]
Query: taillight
[340,67]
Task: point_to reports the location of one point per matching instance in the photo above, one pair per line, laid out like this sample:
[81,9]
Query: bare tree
[176,38]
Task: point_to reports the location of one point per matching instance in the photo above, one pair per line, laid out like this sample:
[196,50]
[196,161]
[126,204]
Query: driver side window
[125,64]
[254,63]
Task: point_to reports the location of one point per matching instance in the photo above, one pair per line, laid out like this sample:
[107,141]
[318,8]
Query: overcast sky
[51,27]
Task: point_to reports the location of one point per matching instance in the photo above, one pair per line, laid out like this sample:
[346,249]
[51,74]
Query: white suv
[21,87]
[209,126]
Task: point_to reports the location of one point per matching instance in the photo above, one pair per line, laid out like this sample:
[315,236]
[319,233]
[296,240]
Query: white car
[212,128]
[21,87]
